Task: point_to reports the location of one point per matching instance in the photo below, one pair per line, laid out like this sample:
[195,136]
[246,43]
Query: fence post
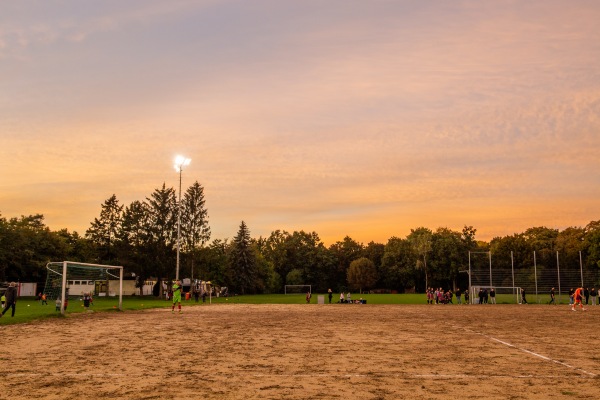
[558,270]
[535,276]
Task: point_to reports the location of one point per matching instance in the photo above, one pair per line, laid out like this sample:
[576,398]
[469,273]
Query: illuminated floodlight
[180,162]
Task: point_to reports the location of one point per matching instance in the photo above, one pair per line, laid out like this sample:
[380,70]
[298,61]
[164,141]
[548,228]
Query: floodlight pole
[180,162]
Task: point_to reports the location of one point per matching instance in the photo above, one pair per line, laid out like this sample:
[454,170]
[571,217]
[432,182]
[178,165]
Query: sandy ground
[307,352]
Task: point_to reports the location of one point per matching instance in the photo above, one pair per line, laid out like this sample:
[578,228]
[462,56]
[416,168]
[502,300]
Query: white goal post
[297,289]
[499,290]
[61,273]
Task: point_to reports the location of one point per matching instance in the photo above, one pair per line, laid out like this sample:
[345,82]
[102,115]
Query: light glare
[180,162]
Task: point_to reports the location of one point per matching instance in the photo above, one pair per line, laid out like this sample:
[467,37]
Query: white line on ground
[534,354]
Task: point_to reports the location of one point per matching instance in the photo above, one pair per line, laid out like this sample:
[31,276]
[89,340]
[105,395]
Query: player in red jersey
[578,297]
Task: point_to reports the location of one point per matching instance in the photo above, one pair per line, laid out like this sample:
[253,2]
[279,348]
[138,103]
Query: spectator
[493,296]
[586,294]
[458,295]
[552,297]
[523,298]
[571,293]
[11,299]
[330,293]
[593,293]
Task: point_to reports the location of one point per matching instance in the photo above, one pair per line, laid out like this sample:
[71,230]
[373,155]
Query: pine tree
[243,261]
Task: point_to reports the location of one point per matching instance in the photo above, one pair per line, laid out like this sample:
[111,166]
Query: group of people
[344,298]
[585,293]
[441,296]
[576,297]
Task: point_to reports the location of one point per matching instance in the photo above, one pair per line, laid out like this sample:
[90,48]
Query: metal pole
[581,268]
[469,289]
[558,271]
[178,225]
[490,254]
[512,266]
[121,289]
[64,288]
[535,276]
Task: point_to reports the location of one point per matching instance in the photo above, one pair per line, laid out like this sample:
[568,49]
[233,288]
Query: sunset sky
[345,117]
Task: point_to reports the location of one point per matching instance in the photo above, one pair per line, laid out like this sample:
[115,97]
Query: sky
[344,117]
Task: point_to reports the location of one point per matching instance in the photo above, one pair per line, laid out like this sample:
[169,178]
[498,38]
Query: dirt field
[307,352]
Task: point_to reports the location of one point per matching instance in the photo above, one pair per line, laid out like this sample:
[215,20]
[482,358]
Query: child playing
[57,302]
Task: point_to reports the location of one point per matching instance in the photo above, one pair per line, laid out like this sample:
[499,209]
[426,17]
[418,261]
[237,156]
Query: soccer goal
[297,289]
[504,294]
[69,278]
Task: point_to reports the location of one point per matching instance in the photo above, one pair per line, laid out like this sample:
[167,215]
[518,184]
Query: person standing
[586,294]
[552,297]
[493,296]
[330,293]
[571,293]
[44,299]
[57,303]
[11,299]
[480,296]
[467,296]
[176,295]
[523,297]
[578,298]
[307,297]
[86,301]
[458,295]
[593,293]
[342,297]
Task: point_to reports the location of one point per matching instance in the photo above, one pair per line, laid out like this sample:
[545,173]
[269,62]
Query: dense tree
[362,274]
[195,230]
[103,231]
[398,265]
[420,239]
[342,253]
[243,262]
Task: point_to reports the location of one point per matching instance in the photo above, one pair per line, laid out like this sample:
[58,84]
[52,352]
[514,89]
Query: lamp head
[180,162]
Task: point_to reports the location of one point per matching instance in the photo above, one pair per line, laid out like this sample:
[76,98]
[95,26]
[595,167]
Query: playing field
[241,351]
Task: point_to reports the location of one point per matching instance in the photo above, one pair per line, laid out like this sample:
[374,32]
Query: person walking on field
[176,296]
[578,297]
[552,297]
[11,299]
[523,298]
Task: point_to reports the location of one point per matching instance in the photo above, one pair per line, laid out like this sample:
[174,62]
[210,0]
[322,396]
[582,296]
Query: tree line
[142,237]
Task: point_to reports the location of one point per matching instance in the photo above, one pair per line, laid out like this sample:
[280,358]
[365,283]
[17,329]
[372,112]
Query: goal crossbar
[286,287]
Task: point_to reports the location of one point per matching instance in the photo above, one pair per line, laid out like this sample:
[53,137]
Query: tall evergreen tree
[243,261]
[104,230]
[195,230]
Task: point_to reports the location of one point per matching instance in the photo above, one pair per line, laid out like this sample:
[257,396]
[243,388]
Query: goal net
[297,289]
[72,279]
[502,294]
